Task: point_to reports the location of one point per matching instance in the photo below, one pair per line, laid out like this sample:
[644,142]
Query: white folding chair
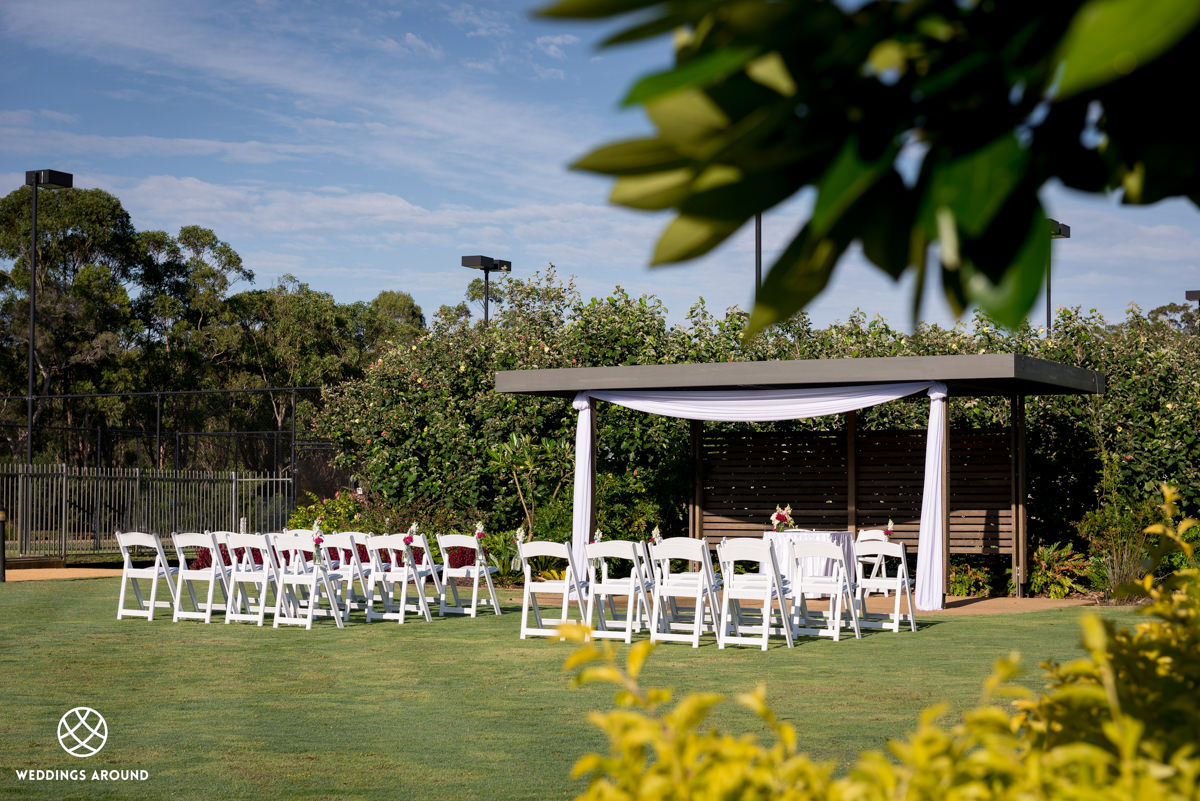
[891,577]
[214,575]
[669,618]
[566,587]
[762,583]
[807,580]
[393,562]
[342,557]
[130,575]
[869,535]
[301,582]
[603,588]
[252,566]
[480,570]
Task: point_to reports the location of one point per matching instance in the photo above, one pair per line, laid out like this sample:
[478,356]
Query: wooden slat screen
[745,474]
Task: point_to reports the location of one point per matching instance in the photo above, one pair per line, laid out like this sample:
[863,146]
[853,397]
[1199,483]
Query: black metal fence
[79,510]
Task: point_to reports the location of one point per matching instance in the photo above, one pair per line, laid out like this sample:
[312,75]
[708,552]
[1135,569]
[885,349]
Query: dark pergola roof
[965,376]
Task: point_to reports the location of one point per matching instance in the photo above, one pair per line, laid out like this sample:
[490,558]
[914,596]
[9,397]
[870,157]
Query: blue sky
[363,146]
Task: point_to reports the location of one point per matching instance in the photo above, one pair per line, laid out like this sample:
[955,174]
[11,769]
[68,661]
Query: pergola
[832,386]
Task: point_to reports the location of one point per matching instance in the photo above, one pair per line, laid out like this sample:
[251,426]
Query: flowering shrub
[1121,723]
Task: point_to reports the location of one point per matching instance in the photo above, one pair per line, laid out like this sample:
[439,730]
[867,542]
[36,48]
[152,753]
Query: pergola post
[1020,536]
[696,504]
[852,472]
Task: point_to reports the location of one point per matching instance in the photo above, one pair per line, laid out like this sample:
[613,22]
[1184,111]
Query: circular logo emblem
[82,732]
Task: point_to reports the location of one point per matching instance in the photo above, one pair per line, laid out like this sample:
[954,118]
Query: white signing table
[814,567]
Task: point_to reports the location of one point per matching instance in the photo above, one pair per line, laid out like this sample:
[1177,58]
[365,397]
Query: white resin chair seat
[132,576]
[394,563]
[215,576]
[253,575]
[760,582]
[565,589]
[836,585]
[670,619]
[603,588]
[892,576]
[302,582]
[480,570]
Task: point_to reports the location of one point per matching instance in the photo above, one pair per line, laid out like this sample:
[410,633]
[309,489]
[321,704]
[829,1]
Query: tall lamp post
[488,265]
[1194,294]
[34,179]
[1057,231]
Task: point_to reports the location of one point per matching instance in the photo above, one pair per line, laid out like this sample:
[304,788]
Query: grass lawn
[456,709]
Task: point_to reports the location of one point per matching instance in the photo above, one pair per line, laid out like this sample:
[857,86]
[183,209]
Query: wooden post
[852,471]
[696,504]
[1020,521]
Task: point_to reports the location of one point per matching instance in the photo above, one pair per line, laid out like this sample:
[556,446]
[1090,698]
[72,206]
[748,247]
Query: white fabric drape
[930,566]
[582,522]
[758,405]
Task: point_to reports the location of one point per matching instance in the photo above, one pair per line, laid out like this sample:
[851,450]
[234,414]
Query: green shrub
[1119,724]
[971,576]
[1056,569]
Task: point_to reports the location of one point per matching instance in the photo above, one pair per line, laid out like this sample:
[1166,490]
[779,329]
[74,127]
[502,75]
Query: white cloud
[479,21]
[412,45]
[553,45]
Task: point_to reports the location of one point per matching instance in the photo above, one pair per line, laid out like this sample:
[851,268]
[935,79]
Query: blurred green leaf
[593,9]
[844,182]
[687,237]
[1013,295]
[631,157]
[1109,39]
[978,184]
[694,73]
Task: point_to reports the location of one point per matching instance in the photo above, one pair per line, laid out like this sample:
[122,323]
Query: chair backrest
[532,549]
[598,552]
[201,542]
[689,548]
[248,552]
[128,540]
[420,551]
[892,550]
[292,550]
[872,535]
[744,549]
[800,551]
[385,549]
[447,541]
[342,547]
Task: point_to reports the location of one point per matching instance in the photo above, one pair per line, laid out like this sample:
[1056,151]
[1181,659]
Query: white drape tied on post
[760,405]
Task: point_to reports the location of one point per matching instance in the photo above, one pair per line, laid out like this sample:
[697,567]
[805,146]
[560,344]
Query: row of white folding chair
[254,561]
[404,559]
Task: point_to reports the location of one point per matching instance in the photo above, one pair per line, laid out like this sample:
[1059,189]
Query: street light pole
[487,264]
[1057,231]
[34,179]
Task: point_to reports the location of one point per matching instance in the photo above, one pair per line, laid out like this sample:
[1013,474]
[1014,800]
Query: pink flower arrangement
[782,518]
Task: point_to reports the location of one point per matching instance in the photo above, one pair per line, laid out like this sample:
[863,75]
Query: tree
[475,293]
[922,123]
[393,318]
[87,250]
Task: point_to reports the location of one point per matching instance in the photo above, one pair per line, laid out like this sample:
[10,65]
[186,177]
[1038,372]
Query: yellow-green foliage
[1122,723]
